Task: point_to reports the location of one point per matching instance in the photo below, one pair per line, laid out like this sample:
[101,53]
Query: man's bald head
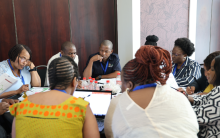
[68,49]
[66,45]
[107,43]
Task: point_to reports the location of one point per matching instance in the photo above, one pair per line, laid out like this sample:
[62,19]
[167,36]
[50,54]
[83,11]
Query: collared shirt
[190,71]
[50,60]
[114,65]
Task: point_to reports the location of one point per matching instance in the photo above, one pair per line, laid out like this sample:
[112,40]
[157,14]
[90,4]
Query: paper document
[34,90]
[6,81]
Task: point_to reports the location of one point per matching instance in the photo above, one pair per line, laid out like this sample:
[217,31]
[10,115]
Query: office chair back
[42,69]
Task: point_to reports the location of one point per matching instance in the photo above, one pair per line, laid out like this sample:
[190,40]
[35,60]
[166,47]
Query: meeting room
[109,69]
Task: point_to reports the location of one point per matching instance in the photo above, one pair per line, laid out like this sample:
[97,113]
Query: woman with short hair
[20,67]
[149,107]
[56,113]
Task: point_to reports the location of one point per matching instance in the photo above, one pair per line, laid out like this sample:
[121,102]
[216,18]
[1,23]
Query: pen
[175,89]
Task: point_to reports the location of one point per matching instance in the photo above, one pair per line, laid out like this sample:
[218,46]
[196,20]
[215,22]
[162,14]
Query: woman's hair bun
[151,40]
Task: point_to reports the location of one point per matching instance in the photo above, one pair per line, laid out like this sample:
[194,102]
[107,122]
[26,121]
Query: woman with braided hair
[148,107]
[56,113]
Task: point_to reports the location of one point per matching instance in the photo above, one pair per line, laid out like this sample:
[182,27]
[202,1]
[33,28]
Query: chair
[41,70]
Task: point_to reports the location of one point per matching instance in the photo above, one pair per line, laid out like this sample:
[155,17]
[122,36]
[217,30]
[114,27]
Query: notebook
[99,103]
[6,81]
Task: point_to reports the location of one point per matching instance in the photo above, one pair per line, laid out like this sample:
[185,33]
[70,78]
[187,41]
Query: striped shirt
[190,71]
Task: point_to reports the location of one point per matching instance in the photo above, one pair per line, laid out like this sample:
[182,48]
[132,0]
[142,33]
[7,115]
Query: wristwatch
[100,77]
[34,69]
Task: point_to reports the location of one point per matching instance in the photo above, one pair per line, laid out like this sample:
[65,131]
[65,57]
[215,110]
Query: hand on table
[23,88]
[3,107]
[10,101]
[96,58]
[190,89]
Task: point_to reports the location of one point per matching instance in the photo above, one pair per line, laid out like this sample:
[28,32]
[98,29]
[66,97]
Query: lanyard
[22,79]
[105,67]
[60,55]
[175,67]
[60,90]
[145,86]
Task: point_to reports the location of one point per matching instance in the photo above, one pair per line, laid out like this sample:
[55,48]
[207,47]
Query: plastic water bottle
[118,79]
[90,78]
[96,86]
[107,86]
[91,86]
[93,82]
[84,84]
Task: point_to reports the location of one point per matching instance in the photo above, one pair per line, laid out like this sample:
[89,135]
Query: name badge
[110,65]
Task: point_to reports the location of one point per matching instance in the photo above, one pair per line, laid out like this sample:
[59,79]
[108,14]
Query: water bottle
[91,86]
[90,78]
[84,84]
[88,81]
[96,86]
[93,82]
[108,86]
[118,79]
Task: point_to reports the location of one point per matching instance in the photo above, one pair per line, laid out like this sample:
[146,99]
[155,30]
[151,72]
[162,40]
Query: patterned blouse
[207,109]
[64,120]
[190,71]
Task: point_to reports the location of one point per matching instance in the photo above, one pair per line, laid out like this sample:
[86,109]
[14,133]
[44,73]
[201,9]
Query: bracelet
[34,69]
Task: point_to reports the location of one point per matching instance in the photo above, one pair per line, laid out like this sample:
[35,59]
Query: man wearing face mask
[67,49]
[104,64]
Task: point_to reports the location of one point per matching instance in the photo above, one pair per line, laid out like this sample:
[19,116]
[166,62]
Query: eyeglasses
[171,52]
[23,59]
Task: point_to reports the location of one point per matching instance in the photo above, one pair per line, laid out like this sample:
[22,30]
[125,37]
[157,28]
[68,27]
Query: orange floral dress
[55,121]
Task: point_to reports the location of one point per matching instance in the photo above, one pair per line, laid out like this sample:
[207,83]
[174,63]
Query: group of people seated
[146,107]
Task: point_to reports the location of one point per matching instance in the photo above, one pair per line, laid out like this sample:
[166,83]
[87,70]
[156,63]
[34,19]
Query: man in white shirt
[67,49]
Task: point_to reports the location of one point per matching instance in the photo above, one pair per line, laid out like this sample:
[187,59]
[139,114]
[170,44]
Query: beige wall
[168,19]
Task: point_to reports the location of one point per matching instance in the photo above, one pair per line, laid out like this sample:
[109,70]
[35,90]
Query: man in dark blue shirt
[104,64]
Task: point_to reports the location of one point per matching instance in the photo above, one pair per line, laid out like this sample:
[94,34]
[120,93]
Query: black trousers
[2,132]
[6,121]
